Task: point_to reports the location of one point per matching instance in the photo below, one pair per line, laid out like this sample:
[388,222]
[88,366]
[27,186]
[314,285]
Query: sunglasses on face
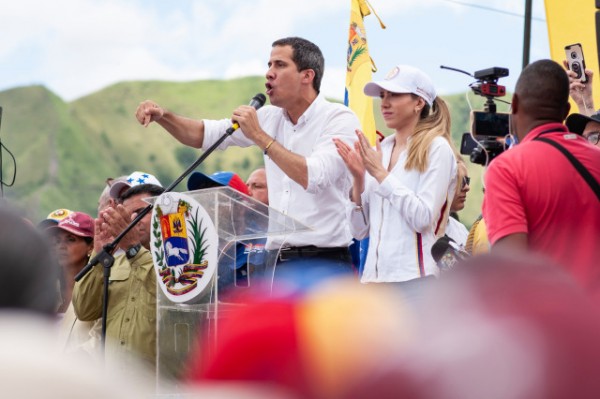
[466,180]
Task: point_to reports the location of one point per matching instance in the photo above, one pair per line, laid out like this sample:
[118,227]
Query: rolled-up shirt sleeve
[325,166]
[215,129]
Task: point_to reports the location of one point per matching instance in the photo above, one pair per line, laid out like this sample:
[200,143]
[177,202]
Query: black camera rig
[483,142]
[489,145]
[488,87]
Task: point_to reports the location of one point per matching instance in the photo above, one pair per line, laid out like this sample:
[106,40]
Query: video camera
[488,128]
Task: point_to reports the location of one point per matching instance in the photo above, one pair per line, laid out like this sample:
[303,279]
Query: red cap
[78,223]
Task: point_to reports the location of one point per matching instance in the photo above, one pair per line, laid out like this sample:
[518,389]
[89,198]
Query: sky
[76,47]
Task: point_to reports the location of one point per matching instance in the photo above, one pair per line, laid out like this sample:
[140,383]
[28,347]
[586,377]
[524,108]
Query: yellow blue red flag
[360,68]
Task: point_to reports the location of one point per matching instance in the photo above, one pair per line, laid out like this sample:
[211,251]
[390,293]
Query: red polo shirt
[534,189]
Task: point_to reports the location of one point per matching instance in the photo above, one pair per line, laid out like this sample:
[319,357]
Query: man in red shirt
[535,198]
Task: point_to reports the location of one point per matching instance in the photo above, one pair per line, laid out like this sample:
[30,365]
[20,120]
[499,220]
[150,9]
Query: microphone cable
[2,146]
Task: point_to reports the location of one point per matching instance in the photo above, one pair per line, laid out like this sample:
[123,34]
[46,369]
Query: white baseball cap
[404,79]
[134,179]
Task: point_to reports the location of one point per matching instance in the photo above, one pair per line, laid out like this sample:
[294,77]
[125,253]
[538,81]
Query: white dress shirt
[322,205]
[404,214]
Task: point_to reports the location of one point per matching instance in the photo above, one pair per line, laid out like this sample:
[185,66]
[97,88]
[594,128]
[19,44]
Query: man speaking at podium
[307,180]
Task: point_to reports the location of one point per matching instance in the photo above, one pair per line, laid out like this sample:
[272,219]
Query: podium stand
[242,224]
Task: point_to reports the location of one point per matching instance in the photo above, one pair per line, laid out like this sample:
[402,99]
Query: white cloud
[78,46]
[254,67]
[334,82]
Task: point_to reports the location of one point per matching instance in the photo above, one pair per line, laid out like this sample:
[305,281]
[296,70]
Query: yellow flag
[572,22]
[359,69]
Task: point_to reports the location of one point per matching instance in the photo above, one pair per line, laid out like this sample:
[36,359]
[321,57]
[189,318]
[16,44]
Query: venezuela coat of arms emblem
[184,246]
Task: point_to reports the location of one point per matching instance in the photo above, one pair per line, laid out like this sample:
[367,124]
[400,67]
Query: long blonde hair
[431,125]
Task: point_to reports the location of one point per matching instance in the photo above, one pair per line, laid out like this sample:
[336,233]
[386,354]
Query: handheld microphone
[256,102]
[446,253]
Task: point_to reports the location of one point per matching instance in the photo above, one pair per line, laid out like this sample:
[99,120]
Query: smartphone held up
[575,61]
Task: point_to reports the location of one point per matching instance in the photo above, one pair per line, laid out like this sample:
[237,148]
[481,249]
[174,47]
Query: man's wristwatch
[133,251]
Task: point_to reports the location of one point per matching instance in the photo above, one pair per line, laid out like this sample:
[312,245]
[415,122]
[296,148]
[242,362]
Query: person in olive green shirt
[131,313]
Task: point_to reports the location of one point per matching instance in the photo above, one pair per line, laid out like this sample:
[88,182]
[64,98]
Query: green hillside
[66,150]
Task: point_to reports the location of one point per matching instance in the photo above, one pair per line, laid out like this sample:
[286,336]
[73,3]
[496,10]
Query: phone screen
[467,144]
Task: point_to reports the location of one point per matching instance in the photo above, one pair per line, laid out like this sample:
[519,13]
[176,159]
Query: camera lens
[577,69]
[573,54]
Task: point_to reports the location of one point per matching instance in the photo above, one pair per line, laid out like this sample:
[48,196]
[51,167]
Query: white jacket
[405,214]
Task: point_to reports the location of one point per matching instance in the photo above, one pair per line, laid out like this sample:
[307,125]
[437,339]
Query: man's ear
[308,75]
[514,109]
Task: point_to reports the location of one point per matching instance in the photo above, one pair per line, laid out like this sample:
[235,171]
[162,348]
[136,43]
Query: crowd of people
[318,324]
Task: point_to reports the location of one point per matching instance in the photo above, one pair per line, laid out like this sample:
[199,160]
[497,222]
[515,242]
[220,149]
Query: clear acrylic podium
[242,224]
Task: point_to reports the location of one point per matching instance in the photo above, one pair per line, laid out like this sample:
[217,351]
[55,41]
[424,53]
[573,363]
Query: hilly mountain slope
[65,151]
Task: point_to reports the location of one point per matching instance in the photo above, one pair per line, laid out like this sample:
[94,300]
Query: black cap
[576,122]
[199,180]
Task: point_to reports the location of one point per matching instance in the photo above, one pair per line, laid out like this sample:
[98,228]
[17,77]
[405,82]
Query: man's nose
[270,74]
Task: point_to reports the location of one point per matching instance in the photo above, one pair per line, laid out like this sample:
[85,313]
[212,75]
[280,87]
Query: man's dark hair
[151,189]
[306,55]
[543,90]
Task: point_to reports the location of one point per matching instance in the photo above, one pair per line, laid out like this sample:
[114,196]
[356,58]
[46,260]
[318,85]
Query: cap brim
[198,181]
[72,231]
[116,189]
[576,122]
[47,223]
[373,89]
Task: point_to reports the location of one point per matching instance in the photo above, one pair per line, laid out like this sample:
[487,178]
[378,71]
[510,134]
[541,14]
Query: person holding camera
[403,188]
[587,121]
[581,93]
[543,194]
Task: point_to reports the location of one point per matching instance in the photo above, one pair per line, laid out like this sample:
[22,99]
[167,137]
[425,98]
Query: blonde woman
[455,229]
[403,188]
